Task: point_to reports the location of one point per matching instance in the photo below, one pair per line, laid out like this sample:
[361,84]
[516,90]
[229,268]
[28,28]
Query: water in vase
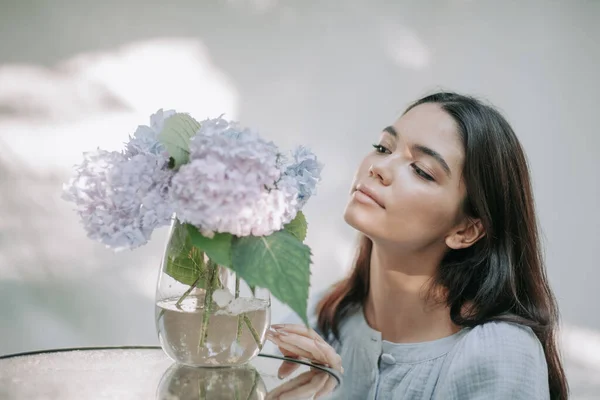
[233,334]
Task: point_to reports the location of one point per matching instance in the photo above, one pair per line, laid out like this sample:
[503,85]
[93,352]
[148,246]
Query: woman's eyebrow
[391,131]
[423,150]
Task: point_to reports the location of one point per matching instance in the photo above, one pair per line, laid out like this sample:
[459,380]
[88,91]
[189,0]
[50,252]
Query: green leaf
[278,262]
[217,248]
[297,226]
[176,135]
[185,262]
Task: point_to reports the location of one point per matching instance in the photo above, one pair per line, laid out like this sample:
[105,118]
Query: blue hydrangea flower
[305,170]
[145,138]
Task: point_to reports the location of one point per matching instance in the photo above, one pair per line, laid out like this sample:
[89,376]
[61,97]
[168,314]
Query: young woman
[448,297]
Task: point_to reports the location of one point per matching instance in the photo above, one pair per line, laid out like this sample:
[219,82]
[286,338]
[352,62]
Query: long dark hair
[501,277]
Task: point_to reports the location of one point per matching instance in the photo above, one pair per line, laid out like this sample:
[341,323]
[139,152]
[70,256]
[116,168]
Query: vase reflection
[182,382]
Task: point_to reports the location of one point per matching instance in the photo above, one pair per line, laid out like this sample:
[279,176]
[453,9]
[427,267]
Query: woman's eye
[381,149]
[422,173]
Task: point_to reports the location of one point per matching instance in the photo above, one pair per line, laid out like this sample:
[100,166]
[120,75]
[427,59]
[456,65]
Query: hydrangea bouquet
[236,198]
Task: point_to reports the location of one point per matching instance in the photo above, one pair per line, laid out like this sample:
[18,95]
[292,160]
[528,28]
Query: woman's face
[408,190]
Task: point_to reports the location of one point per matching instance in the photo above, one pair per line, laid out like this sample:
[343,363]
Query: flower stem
[210,286]
[202,389]
[239,320]
[254,383]
[237,390]
[255,334]
[187,292]
[243,317]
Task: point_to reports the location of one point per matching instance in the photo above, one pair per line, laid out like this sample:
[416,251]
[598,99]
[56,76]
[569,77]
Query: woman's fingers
[307,347]
[300,380]
[286,368]
[327,388]
[333,359]
[303,345]
[304,386]
[299,330]
[307,390]
[321,352]
[306,343]
[287,353]
[289,346]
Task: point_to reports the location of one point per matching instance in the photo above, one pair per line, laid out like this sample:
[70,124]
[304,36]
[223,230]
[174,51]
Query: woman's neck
[397,305]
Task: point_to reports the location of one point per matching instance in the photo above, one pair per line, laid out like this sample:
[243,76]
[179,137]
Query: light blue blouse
[496,360]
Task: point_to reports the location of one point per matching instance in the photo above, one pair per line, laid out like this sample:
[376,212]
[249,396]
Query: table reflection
[245,382]
[231,383]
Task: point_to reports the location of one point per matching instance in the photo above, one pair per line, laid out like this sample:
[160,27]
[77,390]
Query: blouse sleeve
[498,360]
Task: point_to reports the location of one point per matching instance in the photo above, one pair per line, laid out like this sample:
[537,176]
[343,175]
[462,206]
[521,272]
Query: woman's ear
[465,234]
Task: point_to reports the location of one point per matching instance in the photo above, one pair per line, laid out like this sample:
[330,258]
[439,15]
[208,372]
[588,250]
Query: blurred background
[76,75]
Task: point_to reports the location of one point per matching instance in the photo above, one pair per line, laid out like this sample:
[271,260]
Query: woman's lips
[366,195]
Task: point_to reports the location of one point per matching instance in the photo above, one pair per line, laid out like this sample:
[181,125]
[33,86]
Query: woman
[448,297]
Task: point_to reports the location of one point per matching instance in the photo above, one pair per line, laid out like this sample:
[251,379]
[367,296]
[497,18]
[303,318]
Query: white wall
[79,74]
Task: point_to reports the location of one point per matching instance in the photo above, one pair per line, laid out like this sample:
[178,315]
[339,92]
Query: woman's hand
[312,384]
[298,341]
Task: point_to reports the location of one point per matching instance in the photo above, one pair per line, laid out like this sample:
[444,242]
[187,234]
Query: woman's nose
[380,173]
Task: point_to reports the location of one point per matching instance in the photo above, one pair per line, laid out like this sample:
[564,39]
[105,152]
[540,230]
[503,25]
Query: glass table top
[147,373]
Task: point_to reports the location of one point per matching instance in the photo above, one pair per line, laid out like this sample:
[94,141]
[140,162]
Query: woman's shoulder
[498,357]
[501,337]
[502,347]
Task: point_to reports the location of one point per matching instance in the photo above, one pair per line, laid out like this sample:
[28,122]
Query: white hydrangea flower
[121,200]
[145,138]
[305,170]
[275,208]
[229,183]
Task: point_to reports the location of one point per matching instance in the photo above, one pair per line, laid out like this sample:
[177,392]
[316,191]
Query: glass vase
[206,316]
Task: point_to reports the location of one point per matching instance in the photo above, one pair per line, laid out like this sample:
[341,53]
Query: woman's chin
[360,218]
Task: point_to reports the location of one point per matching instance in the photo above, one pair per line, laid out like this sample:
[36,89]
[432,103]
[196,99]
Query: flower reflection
[182,382]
